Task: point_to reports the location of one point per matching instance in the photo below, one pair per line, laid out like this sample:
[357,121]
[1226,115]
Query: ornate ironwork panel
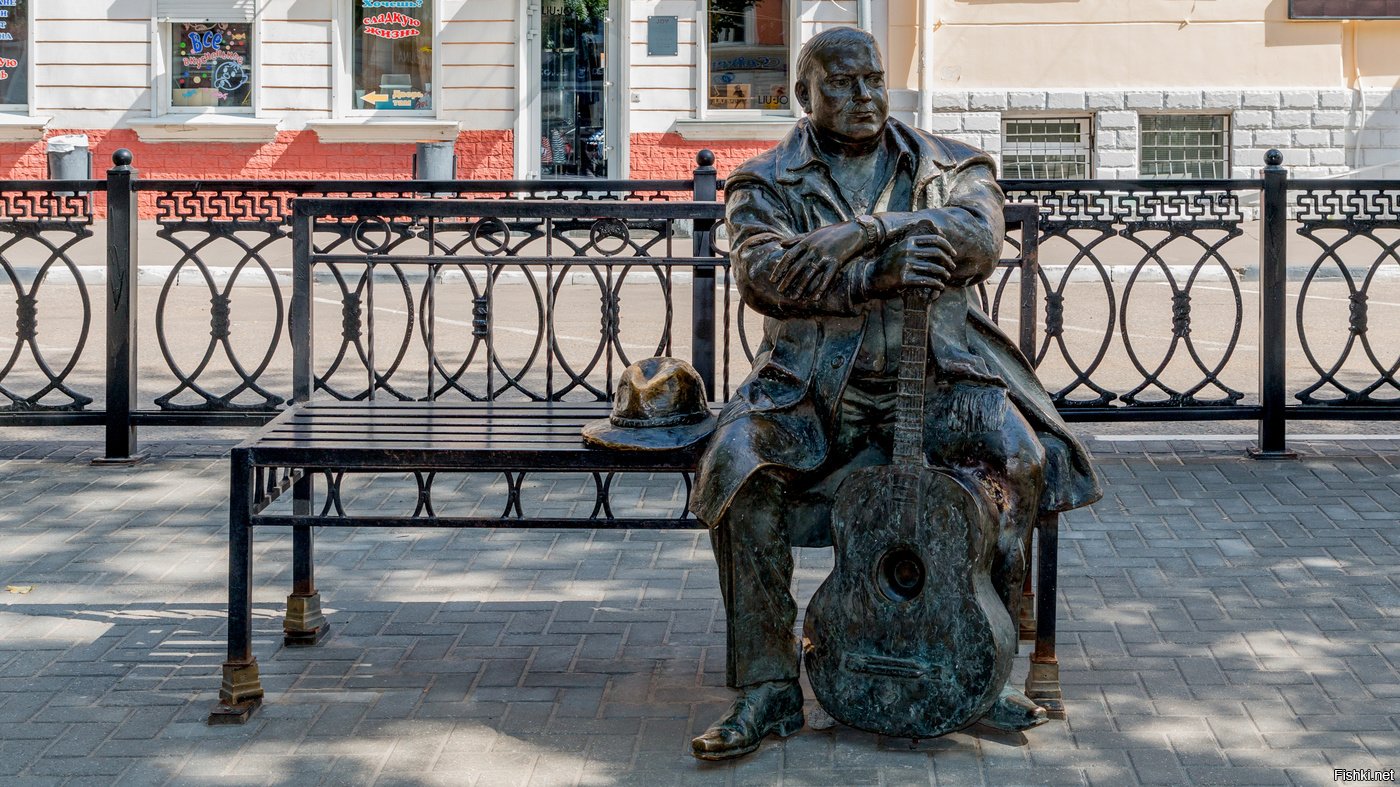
[224,263]
[597,499]
[47,364]
[1125,268]
[483,300]
[1353,270]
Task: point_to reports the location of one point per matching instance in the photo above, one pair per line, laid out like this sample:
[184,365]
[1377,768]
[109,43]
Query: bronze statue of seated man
[828,230]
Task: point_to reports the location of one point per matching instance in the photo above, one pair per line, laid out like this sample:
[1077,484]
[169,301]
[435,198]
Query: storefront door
[577,100]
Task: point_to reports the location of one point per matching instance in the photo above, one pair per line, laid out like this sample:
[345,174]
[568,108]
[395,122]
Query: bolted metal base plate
[304,624]
[238,713]
[119,461]
[1055,709]
[239,695]
[1258,453]
[305,639]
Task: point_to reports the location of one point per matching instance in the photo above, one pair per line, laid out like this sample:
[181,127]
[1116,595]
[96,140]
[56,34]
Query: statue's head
[841,84]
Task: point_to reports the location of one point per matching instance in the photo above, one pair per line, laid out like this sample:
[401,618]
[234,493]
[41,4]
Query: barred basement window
[1185,146]
[1033,148]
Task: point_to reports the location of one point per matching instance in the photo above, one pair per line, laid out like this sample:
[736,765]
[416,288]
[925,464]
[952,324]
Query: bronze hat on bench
[659,405]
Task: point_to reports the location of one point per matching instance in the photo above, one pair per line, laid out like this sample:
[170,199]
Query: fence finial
[1273,158]
[122,157]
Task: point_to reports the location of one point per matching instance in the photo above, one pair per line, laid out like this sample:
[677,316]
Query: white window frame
[1225,146]
[26,108]
[342,81]
[163,37]
[1086,137]
[702,70]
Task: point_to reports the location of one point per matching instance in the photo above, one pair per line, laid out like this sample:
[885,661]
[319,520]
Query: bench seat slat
[430,430]
[396,436]
[518,458]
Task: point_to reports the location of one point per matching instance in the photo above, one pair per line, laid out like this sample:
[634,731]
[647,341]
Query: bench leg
[241,691]
[1043,682]
[1027,621]
[304,624]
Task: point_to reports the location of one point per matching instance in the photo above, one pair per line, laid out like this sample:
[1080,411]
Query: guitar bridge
[888,666]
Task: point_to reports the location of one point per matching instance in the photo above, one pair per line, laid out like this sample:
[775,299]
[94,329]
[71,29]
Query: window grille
[1034,148]
[1185,146]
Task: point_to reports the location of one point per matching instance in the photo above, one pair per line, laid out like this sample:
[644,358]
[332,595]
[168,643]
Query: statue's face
[844,91]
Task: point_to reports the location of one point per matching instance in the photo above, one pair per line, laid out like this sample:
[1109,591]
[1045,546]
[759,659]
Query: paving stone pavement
[1222,621]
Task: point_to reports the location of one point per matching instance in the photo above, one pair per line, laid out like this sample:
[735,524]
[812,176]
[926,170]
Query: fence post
[1030,283]
[122,215]
[1273,311]
[702,292]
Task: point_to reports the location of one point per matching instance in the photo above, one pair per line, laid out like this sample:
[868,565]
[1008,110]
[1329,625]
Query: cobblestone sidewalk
[1222,621]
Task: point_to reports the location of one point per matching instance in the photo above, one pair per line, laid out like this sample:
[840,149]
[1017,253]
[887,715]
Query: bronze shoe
[775,706]
[1014,712]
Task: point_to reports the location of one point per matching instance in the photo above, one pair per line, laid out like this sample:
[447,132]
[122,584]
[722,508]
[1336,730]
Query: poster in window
[749,54]
[211,65]
[14,52]
[393,54]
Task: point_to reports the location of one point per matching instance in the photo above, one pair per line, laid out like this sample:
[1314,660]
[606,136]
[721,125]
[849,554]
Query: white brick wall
[1322,133]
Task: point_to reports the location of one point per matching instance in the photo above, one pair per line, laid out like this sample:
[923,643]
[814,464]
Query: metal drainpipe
[863,20]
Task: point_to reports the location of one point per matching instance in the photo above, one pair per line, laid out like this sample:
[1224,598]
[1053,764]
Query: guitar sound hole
[901,574]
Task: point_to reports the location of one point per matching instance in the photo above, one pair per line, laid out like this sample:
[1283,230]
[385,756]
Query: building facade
[633,88]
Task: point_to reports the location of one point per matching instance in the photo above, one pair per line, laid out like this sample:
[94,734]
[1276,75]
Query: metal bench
[381,430]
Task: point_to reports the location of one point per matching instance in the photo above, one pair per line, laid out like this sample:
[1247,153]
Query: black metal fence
[1136,300]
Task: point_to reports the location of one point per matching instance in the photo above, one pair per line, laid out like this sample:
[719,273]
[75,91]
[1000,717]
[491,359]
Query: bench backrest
[533,300]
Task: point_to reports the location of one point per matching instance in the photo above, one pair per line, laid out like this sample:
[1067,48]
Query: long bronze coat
[781,414]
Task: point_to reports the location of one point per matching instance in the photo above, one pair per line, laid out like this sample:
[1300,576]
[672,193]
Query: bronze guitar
[907,637]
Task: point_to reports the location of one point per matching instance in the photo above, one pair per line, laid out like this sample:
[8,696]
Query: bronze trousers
[996,452]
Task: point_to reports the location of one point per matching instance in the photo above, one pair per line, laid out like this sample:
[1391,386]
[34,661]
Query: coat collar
[798,153]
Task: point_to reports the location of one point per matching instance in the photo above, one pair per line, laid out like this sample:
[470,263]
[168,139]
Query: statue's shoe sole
[783,729]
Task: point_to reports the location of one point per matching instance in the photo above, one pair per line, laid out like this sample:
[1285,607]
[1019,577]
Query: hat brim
[604,434]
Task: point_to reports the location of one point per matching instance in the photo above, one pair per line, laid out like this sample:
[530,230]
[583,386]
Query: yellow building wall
[1131,44]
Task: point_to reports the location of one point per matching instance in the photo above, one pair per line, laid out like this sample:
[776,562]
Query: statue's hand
[920,261]
[813,262]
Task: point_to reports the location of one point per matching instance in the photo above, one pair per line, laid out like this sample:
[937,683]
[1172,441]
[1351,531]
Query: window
[211,66]
[1185,146]
[1035,148]
[391,62]
[749,53]
[14,54]
[1344,9]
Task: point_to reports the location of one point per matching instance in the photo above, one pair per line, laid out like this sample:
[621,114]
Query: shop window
[749,51]
[391,61]
[211,66]
[14,55]
[1040,148]
[1185,146]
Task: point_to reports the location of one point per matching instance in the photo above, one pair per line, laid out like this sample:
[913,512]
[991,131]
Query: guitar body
[907,637]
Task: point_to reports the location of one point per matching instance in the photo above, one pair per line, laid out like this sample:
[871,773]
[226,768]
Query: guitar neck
[913,375]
